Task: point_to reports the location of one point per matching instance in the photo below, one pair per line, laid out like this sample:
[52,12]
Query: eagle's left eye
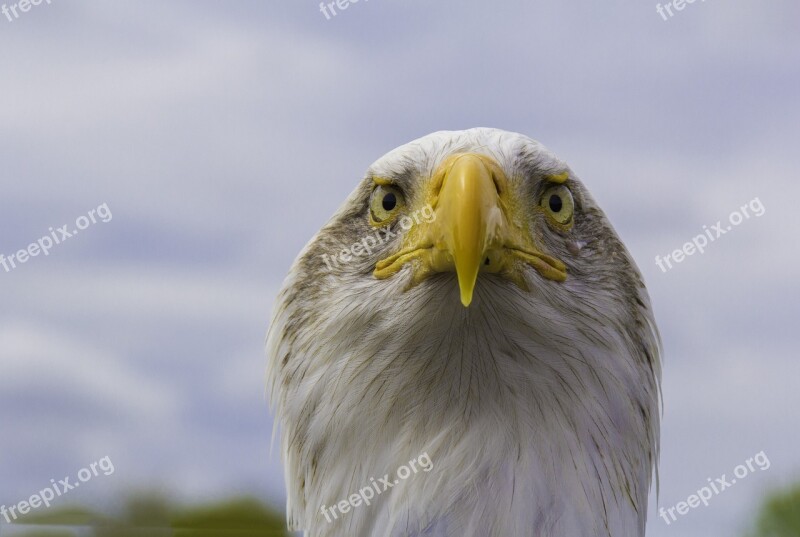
[385,202]
[558,204]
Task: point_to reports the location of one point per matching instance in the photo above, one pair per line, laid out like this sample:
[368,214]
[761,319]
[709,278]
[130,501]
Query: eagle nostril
[497,185]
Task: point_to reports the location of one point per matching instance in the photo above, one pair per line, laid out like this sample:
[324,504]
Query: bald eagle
[470,302]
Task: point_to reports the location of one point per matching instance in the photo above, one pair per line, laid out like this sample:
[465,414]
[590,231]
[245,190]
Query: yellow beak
[469,219]
[478,226]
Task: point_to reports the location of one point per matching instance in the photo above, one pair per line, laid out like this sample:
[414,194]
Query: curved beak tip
[466,298]
[467,287]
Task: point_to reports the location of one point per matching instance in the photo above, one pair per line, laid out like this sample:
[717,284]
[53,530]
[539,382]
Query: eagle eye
[559,206]
[385,202]
[389,202]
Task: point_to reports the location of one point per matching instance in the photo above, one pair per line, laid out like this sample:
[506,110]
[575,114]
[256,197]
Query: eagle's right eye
[385,203]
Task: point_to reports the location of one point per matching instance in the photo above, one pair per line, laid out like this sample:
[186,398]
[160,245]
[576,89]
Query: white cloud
[47,363]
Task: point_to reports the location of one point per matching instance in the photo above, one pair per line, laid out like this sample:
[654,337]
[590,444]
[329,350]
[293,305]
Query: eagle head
[471,302]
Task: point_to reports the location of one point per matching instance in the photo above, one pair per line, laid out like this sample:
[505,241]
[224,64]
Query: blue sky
[223,135]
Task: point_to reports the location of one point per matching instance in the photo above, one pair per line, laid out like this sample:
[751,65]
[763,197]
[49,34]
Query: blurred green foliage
[153,516]
[780,515]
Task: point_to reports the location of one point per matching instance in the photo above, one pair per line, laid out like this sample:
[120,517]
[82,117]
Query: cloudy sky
[222,135]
